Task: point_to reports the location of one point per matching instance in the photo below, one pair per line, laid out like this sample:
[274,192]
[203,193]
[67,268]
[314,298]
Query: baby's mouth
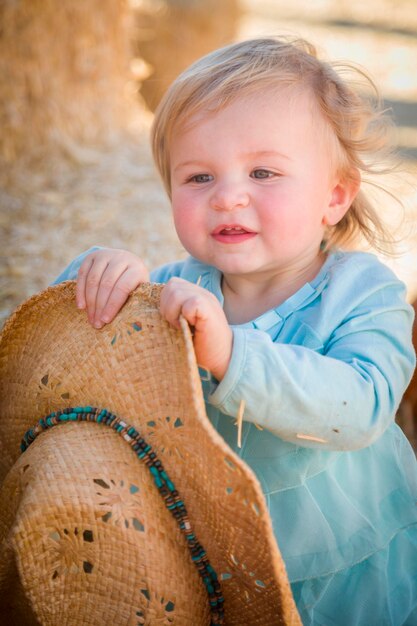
[233,229]
[233,233]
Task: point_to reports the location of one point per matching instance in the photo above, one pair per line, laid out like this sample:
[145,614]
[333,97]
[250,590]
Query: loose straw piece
[198,280]
[239,422]
[311,438]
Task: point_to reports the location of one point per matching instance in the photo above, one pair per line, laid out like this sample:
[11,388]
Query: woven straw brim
[85,537]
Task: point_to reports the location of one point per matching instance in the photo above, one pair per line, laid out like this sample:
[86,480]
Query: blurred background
[79,80]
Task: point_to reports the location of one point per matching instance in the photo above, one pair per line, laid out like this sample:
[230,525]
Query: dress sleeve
[163,273]
[159,275]
[342,399]
[71,271]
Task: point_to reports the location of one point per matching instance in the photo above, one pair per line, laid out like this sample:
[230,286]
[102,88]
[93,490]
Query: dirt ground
[113,197]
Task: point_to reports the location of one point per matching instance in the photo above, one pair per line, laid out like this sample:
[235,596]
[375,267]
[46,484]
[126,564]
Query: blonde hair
[359,128]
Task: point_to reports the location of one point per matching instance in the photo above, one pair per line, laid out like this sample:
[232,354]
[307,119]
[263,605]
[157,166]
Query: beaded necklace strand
[162,481]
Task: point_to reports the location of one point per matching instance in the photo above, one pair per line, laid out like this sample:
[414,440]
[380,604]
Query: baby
[262,148]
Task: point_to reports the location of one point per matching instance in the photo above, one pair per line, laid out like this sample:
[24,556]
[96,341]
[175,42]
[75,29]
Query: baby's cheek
[188,224]
[284,216]
[183,216]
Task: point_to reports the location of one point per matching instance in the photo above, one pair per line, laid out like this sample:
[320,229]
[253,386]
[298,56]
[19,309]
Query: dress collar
[211,280]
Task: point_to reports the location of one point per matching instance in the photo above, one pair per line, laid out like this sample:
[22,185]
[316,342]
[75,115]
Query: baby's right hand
[105,280]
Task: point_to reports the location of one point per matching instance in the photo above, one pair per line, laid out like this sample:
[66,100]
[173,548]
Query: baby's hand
[213,337]
[105,279]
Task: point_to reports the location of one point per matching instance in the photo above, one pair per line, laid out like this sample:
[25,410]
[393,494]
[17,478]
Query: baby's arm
[212,335]
[343,398]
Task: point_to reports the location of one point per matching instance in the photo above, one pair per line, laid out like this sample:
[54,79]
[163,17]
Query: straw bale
[64,67]
[170,34]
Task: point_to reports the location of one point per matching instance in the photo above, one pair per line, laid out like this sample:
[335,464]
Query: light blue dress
[322,376]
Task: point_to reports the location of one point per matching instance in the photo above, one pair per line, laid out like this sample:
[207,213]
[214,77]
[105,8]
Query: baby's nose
[229,197]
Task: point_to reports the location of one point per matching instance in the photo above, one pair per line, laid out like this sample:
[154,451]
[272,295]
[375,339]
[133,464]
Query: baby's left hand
[213,337]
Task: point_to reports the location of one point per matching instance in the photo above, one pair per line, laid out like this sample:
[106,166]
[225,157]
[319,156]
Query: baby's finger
[112,274]
[127,282]
[172,298]
[193,310]
[92,285]
[81,280]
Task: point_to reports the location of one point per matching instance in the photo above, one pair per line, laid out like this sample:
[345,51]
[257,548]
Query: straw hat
[86,536]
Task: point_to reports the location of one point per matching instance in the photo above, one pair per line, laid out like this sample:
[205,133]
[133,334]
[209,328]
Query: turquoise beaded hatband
[161,479]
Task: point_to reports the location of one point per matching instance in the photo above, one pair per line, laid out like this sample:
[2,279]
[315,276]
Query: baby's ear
[343,194]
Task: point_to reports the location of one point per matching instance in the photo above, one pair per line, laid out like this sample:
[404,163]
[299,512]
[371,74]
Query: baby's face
[253,186]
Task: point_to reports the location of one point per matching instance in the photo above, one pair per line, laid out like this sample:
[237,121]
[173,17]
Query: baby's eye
[200,178]
[261,173]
